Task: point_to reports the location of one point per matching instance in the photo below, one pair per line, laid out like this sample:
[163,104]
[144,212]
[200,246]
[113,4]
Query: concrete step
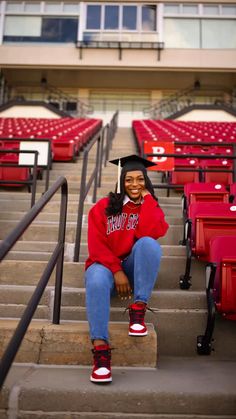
[48,231]
[21,272]
[75,297]
[69,344]
[180,388]
[36,251]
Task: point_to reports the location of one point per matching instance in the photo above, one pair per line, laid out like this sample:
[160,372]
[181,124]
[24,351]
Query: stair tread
[177,386]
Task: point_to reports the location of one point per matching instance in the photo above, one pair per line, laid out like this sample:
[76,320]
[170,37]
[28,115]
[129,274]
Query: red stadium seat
[204,192]
[225,176]
[232,190]
[179,177]
[13,173]
[205,221]
[221,287]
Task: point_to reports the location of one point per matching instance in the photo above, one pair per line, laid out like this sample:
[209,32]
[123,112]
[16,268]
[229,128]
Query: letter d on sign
[158,150]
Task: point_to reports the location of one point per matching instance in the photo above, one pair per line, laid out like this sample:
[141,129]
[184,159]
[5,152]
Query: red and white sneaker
[102,364]
[137,326]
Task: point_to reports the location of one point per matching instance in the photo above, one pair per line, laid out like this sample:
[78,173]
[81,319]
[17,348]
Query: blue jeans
[141,268]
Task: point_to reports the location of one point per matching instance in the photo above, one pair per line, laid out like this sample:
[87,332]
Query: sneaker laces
[137,314]
[102,358]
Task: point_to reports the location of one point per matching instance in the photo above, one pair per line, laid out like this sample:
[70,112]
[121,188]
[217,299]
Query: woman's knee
[98,276]
[150,245]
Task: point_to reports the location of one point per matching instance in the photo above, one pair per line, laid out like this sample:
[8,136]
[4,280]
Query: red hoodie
[111,238]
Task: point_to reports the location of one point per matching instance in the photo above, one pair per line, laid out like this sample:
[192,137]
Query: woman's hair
[115,203]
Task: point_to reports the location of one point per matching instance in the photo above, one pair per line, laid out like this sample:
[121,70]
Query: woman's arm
[99,250]
[151,218]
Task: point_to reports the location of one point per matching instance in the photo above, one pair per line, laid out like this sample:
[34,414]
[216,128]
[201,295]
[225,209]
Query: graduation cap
[130,163]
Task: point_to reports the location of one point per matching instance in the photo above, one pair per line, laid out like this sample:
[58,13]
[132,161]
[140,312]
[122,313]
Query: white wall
[207,115]
[28,112]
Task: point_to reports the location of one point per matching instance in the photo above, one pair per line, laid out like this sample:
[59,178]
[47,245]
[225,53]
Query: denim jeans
[141,268]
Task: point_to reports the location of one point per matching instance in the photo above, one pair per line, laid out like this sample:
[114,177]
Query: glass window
[14,6]
[182,33]
[218,33]
[111,17]
[38,29]
[71,7]
[172,9]
[32,7]
[53,7]
[22,26]
[148,18]
[129,21]
[93,17]
[211,9]
[229,10]
[59,30]
[190,9]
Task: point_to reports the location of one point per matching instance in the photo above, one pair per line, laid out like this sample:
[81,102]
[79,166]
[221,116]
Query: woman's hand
[145,192]
[122,285]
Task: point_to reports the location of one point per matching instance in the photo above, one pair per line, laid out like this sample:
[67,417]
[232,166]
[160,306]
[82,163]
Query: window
[59,30]
[40,29]
[14,6]
[129,21]
[32,7]
[53,7]
[229,10]
[190,9]
[111,17]
[182,33]
[148,18]
[16,26]
[119,18]
[93,17]
[218,33]
[172,9]
[211,9]
[71,7]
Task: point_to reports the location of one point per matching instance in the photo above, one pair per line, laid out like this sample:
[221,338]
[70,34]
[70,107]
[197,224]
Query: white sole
[138,334]
[97,380]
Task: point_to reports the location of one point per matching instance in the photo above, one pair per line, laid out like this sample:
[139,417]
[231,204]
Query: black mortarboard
[129,163]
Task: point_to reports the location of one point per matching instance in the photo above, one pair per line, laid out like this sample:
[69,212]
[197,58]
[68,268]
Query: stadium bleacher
[204,168]
[68,137]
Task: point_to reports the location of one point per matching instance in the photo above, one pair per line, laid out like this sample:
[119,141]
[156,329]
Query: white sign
[28,159]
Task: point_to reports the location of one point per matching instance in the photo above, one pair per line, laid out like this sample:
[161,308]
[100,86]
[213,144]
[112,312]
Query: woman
[124,256]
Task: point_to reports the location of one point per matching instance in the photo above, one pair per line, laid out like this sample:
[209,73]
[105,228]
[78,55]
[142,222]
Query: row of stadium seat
[194,139]
[169,130]
[209,211]
[68,135]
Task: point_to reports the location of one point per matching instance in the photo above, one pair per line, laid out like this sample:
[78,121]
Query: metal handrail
[56,259]
[102,155]
[32,181]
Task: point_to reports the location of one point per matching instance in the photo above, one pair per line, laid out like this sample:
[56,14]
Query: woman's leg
[142,266]
[99,284]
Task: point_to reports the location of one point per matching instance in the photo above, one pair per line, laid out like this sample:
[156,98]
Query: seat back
[224,177]
[208,221]
[227,303]
[205,192]
[223,253]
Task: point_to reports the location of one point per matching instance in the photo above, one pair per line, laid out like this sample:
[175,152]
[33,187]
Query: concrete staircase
[159,376]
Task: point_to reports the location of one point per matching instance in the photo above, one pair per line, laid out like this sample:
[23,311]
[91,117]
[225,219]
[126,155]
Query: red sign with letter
[158,148]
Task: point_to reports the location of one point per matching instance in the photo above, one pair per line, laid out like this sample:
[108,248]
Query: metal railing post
[59,266]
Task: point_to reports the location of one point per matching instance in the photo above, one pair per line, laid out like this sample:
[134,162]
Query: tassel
[118,179]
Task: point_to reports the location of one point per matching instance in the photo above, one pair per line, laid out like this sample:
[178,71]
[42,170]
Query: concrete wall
[28,112]
[207,115]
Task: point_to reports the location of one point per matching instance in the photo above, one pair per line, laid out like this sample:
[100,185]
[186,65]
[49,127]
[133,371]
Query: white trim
[2,13]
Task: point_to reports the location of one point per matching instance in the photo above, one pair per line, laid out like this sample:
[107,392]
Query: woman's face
[134,184]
